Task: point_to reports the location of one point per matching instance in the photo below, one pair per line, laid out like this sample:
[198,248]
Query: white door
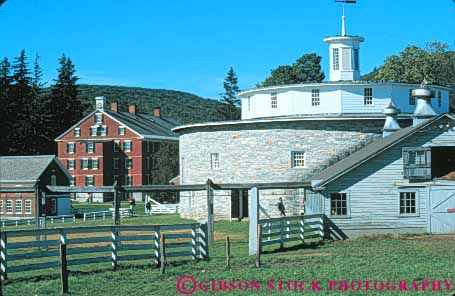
[441,218]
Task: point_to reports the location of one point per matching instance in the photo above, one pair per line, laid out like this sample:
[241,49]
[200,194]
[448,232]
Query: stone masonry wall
[261,153]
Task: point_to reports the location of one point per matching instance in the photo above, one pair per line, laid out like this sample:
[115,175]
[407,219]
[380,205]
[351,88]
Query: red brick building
[23,177]
[108,145]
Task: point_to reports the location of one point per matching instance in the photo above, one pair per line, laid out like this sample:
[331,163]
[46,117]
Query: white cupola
[344,55]
[100,102]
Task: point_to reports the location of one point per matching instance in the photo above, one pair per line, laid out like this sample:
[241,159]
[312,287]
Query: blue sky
[189,45]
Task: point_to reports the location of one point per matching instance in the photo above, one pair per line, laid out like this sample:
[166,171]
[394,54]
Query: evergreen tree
[65,105]
[5,102]
[230,110]
[21,100]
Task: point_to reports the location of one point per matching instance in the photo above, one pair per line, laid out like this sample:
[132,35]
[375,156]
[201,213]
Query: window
[215,160]
[94,163]
[9,206]
[298,159]
[89,181]
[128,163]
[116,163]
[315,101]
[18,206]
[70,164]
[417,163]
[408,203]
[90,147]
[53,180]
[439,99]
[103,130]
[368,96]
[127,146]
[336,59]
[121,130]
[128,180]
[28,206]
[412,99]
[338,204]
[93,130]
[77,132]
[1,206]
[70,147]
[84,163]
[116,146]
[274,100]
[98,118]
[356,59]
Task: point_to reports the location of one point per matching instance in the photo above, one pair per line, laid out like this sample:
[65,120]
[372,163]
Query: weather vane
[343,28]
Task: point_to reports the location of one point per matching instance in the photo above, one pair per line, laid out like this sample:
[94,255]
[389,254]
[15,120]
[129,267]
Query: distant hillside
[185,107]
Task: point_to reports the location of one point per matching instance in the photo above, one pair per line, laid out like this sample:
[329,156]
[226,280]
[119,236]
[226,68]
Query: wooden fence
[32,221]
[278,231]
[25,250]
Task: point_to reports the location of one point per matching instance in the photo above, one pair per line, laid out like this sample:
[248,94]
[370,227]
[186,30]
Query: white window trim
[1,206]
[96,118]
[417,204]
[6,206]
[73,162]
[304,159]
[348,205]
[74,147]
[84,159]
[93,180]
[18,211]
[315,98]
[97,163]
[93,150]
[121,127]
[215,164]
[28,212]
[78,134]
[274,100]
[130,146]
[364,97]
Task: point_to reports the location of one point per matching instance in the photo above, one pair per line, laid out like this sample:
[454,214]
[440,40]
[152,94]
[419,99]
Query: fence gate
[441,215]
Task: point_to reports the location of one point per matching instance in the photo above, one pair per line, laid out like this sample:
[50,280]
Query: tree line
[32,116]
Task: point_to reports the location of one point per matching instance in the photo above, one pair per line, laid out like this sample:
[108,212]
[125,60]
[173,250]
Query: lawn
[381,258]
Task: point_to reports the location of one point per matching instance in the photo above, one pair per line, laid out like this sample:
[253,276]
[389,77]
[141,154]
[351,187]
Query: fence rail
[31,221]
[278,231]
[25,250]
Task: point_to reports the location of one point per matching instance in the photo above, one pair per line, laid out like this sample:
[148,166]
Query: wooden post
[114,246]
[209,210]
[64,269]
[116,204]
[228,252]
[241,204]
[3,257]
[163,253]
[281,233]
[254,220]
[259,247]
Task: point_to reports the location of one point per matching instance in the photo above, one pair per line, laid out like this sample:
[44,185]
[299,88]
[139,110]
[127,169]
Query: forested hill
[185,107]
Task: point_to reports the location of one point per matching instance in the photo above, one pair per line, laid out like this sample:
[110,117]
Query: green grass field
[382,258]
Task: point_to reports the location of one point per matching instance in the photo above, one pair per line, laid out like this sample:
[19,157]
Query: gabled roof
[143,124]
[26,168]
[363,155]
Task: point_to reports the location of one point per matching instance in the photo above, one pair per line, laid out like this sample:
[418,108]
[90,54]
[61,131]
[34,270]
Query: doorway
[239,204]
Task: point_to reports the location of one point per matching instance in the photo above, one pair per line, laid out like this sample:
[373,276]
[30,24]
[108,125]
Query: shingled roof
[363,155]
[24,168]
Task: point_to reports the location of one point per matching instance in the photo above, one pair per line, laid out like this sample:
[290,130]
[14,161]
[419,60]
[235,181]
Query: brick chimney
[157,111]
[114,107]
[132,108]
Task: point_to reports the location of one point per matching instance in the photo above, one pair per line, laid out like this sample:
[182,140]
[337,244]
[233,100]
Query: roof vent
[391,124]
[424,110]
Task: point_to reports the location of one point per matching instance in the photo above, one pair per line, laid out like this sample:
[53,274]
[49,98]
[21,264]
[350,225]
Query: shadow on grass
[295,248]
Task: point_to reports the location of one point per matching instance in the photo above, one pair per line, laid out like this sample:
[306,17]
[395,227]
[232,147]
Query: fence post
[302,229]
[269,230]
[163,253]
[116,204]
[3,257]
[281,233]
[157,248]
[193,242]
[210,210]
[228,252]
[203,241]
[288,229]
[259,247]
[253,216]
[64,269]
[321,227]
[85,217]
[114,246]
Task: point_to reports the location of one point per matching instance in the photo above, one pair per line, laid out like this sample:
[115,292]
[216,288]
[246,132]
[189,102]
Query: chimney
[391,124]
[100,102]
[114,107]
[157,111]
[424,110]
[132,108]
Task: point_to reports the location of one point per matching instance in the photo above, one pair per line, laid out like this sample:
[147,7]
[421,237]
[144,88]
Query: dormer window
[98,118]
[336,59]
[77,132]
[274,100]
